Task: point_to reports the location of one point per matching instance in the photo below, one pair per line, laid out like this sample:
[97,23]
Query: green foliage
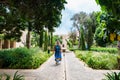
[46,41]
[69,43]
[89,21]
[41,39]
[73,37]
[94,20]
[107,24]
[1,36]
[15,77]
[111,17]
[98,60]
[13,24]
[112,76]
[55,38]
[110,6]
[51,40]
[79,19]
[18,77]
[5,77]
[110,21]
[99,37]
[35,40]
[22,58]
[82,40]
[89,39]
[46,13]
[33,15]
[104,49]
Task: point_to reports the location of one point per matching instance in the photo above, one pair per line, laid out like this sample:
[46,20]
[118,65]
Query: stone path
[70,68]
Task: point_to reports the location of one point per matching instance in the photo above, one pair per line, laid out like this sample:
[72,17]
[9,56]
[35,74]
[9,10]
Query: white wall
[23,40]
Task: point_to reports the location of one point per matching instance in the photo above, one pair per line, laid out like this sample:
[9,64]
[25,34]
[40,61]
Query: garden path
[70,68]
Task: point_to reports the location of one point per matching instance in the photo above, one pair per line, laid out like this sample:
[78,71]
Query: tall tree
[82,38]
[112,7]
[78,21]
[89,23]
[39,13]
[46,41]
[88,28]
[12,24]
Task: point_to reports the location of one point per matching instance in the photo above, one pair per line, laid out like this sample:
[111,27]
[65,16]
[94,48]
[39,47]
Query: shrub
[22,58]
[15,77]
[112,76]
[18,76]
[102,49]
[98,60]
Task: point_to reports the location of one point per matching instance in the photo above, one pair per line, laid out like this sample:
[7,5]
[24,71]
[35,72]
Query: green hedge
[22,58]
[102,49]
[97,60]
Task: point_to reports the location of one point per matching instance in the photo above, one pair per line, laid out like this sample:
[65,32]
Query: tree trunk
[0,44]
[46,42]
[118,59]
[6,44]
[79,41]
[12,44]
[51,40]
[41,39]
[82,40]
[78,36]
[90,38]
[28,40]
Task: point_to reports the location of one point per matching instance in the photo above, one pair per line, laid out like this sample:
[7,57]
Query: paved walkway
[70,69]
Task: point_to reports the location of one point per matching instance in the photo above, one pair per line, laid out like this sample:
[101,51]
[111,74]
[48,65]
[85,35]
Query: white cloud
[66,23]
[72,7]
[82,5]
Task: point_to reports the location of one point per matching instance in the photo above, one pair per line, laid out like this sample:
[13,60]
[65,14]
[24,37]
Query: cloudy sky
[72,7]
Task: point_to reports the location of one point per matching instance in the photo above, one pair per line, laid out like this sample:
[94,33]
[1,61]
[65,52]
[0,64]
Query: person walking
[57,49]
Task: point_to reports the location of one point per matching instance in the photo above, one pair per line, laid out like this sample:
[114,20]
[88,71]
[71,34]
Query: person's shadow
[55,65]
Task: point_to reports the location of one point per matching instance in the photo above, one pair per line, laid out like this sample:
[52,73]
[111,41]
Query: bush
[98,60]
[112,76]
[99,37]
[102,49]
[15,77]
[22,58]
[69,43]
